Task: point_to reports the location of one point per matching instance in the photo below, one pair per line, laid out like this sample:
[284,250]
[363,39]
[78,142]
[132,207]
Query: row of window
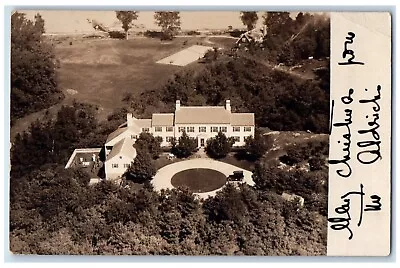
[167,129]
[116,165]
[245,129]
[201,129]
[213,129]
[170,139]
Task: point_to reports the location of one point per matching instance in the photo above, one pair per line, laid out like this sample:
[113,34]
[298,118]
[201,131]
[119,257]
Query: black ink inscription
[345,169]
[343,220]
[347,51]
[376,201]
[371,150]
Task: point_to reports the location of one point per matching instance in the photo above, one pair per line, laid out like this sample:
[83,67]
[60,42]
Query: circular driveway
[162,179]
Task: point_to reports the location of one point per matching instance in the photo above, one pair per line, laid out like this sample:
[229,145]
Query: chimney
[177,105]
[228,105]
[129,119]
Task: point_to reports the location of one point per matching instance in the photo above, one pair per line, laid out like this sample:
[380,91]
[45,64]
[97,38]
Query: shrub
[116,34]
[219,146]
[185,146]
[152,34]
[257,146]
[193,33]
[316,163]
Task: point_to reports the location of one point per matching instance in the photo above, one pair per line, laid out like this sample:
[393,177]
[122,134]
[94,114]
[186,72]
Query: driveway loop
[162,179]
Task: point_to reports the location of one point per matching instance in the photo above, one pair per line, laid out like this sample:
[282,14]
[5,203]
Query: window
[202,129]
[170,129]
[145,129]
[247,129]
[161,138]
[223,129]
[236,129]
[114,165]
[158,129]
[190,129]
[170,139]
[127,165]
[236,138]
[214,129]
[181,129]
[133,137]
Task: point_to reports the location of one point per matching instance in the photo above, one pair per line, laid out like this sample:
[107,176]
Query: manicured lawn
[103,71]
[199,179]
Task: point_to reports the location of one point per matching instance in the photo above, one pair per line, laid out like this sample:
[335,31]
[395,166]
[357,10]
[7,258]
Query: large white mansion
[200,122]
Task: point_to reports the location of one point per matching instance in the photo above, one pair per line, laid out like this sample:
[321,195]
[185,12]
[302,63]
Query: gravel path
[162,180]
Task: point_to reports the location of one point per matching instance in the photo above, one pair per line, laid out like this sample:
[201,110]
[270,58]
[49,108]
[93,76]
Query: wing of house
[120,158]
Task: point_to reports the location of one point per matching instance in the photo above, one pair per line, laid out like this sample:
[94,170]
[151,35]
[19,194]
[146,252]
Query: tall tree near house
[258,145]
[143,168]
[219,146]
[249,18]
[126,18]
[185,146]
[147,141]
[169,21]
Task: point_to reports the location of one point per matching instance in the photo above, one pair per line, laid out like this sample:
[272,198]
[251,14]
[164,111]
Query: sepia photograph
[195,133]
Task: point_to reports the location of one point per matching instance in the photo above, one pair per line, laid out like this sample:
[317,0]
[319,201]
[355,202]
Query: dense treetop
[33,75]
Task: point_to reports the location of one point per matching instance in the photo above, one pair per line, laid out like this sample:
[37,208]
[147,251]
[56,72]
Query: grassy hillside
[102,71]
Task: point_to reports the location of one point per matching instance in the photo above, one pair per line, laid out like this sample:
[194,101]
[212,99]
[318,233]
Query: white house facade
[200,122]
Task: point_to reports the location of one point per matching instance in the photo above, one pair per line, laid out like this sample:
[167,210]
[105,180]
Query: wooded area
[56,211]
[33,67]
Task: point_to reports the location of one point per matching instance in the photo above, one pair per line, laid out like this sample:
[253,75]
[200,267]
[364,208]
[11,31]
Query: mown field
[101,71]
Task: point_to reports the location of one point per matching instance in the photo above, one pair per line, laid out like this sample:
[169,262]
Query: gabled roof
[242,119]
[202,115]
[162,120]
[123,147]
[116,133]
[143,123]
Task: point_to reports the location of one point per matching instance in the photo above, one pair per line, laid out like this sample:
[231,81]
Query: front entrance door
[201,142]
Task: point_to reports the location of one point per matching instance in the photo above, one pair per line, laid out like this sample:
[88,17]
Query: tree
[277,22]
[169,21]
[249,18]
[126,18]
[143,168]
[33,67]
[39,23]
[257,146]
[185,146]
[148,142]
[219,146]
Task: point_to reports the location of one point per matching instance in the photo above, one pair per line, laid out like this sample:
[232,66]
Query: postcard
[200,133]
